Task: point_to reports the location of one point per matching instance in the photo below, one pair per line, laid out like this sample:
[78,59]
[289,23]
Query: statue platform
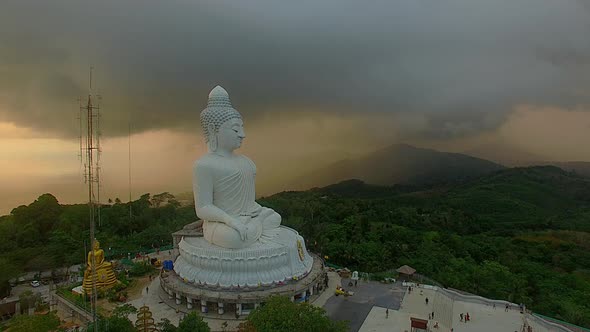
[218,301]
[265,263]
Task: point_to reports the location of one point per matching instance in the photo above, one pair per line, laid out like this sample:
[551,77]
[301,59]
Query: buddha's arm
[99,257]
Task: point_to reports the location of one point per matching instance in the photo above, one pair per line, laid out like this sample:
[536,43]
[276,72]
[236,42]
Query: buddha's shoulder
[212,161]
[245,158]
[207,161]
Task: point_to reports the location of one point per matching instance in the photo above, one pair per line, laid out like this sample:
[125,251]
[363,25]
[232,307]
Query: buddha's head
[96,244]
[222,124]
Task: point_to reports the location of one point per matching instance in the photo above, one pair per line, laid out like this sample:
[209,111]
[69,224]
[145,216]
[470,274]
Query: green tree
[44,212]
[60,248]
[28,299]
[113,323]
[280,314]
[37,323]
[124,310]
[9,271]
[166,326]
[193,323]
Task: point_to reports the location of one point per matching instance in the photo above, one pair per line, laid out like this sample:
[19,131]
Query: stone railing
[551,326]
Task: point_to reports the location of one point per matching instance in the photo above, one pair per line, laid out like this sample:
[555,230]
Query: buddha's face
[96,245]
[230,135]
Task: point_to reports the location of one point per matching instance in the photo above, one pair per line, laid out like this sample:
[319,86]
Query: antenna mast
[130,214]
[90,153]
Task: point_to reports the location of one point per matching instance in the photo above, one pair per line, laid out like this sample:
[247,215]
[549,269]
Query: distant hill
[400,164]
[505,154]
[511,156]
[527,197]
[578,167]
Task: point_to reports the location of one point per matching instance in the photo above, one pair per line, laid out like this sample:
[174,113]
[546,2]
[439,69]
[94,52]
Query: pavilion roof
[406,270]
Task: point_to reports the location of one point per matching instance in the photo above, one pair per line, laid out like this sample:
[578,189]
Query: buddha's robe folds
[226,185]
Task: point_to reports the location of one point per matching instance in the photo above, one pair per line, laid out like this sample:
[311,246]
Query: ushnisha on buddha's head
[222,124]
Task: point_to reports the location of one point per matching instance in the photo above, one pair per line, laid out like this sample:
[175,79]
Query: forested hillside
[520,234]
[45,235]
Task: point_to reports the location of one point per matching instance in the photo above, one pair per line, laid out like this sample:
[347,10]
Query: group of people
[465,317]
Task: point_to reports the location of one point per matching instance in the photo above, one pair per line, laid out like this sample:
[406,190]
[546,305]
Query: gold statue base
[105,279]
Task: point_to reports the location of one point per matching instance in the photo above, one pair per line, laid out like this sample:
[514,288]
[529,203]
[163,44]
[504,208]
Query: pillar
[256,305]
[203,306]
[220,309]
[189,303]
[239,308]
[178,298]
[311,290]
[293,298]
[170,294]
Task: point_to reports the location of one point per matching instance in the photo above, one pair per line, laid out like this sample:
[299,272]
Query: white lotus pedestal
[229,283]
[262,264]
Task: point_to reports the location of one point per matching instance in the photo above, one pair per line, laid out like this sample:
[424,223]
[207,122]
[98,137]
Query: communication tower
[90,158]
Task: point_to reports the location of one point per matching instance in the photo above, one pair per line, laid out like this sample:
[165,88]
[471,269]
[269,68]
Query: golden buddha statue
[103,271]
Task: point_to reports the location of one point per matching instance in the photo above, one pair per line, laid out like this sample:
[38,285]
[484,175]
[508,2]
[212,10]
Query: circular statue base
[240,300]
[266,263]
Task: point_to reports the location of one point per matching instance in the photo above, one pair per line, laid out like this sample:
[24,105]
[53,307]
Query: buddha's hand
[241,228]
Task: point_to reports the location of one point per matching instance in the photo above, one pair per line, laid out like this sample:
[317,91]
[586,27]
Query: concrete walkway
[483,318]
[356,308]
[333,281]
[160,309]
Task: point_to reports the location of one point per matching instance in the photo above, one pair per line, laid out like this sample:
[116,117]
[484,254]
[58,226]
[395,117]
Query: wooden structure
[418,325]
[405,272]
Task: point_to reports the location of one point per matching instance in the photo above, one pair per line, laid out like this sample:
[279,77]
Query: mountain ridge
[399,164]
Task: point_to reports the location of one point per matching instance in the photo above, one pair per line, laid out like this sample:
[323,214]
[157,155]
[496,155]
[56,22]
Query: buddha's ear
[211,130]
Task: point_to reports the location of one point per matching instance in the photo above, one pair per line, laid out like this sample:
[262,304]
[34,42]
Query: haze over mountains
[400,164]
[409,165]
[511,156]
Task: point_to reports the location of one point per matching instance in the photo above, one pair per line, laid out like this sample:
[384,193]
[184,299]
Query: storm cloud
[461,65]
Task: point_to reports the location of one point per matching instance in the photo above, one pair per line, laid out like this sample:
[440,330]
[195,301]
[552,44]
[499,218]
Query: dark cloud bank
[462,63]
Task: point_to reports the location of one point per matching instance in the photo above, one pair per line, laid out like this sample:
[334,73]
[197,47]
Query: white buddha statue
[224,182]
[243,243]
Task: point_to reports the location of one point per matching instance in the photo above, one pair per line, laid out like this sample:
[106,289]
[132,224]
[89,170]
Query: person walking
[461,315]
[433,315]
[147,289]
[426,300]
[387,313]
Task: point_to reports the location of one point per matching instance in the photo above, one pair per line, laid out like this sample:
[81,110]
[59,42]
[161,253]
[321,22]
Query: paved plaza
[483,318]
[366,309]
[355,308]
